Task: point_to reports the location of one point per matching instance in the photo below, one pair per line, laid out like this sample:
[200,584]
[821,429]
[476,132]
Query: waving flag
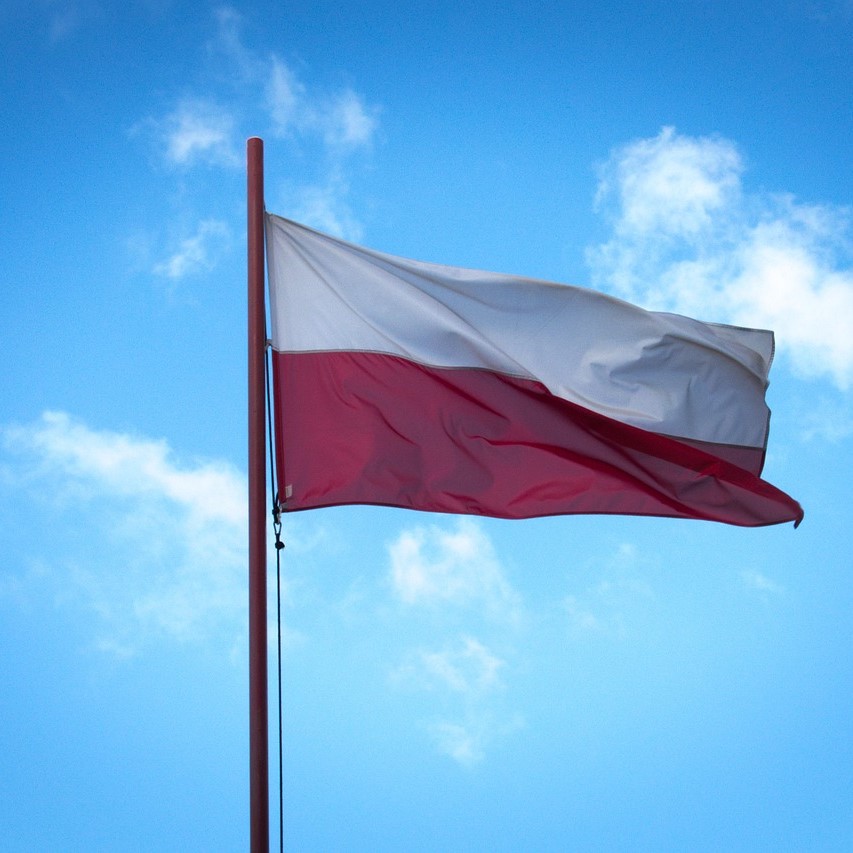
[411,384]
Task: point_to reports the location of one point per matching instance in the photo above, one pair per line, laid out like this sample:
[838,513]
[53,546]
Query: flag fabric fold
[418,385]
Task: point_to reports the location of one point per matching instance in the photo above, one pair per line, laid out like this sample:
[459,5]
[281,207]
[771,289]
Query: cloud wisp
[466,677]
[452,577]
[245,92]
[610,606]
[171,557]
[436,566]
[688,237]
[199,131]
[197,253]
[342,120]
[760,583]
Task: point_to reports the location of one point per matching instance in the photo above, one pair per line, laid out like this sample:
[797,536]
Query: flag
[411,384]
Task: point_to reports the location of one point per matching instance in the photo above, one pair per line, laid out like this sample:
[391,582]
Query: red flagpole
[258,708]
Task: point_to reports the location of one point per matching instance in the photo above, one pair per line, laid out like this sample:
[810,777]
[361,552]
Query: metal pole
[258,708]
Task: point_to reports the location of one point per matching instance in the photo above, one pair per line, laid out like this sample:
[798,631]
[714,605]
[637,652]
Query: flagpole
[258,709]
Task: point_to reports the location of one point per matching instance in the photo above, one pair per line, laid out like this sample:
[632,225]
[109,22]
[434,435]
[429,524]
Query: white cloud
[825,11]
[284,97]
[227,50]
[204,129]
[339,123]
[463,744]
[687,237]
[320,128]
[470,669]
[453,576]
[347,121]
[66,18]
[466,742]
[466,676]
[614,603]
[63,23]
[199,130]
[326,208]
[581,617]
[434,565]
[671,184]
[170,554]
[198,253]
[342,120]
[828,420]
[758,582]
[125,465]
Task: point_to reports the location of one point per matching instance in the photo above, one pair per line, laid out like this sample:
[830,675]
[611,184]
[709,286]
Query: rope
[275,507]
[279,547]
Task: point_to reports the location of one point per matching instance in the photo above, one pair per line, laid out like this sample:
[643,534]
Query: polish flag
[411,384]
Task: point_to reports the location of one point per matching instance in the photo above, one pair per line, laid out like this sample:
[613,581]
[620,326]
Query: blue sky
[450,683]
